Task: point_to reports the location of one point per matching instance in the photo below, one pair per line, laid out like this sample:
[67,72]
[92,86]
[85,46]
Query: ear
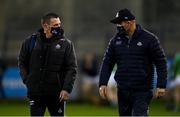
[44,25]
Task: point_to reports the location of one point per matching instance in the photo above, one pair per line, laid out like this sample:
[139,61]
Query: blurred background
[86,23]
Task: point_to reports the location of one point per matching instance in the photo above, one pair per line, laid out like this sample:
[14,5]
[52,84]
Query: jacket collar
[137,31]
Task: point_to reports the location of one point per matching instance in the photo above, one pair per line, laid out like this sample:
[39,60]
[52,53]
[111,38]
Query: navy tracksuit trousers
[38,106]
[134,103]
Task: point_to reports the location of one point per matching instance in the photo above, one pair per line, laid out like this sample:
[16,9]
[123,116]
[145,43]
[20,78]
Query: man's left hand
[64,95]
[160,92]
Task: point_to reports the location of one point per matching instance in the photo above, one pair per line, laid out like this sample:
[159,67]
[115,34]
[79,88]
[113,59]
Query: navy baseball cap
[123,15]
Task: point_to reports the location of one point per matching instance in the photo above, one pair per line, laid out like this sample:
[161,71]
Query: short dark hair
[46,18]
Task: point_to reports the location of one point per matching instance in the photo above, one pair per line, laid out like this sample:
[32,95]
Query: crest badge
[139,44]
[58,46]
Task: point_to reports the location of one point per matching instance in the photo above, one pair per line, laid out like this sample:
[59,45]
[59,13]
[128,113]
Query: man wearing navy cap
[136,52]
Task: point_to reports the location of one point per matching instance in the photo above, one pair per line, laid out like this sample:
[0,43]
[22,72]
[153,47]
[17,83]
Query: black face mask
[121,30]
[57,31]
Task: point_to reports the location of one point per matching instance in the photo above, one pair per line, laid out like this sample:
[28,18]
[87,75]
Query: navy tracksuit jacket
[135,59]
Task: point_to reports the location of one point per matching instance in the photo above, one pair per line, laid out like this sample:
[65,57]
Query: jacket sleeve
[23,61]
[70,67]
[160,62]
[107,64]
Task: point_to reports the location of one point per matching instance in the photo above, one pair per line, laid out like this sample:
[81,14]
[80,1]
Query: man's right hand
[103,91]
[64,95]
[160,92]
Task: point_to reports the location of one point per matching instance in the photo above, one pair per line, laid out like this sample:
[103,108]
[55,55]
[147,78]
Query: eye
[129,22]
[56,25]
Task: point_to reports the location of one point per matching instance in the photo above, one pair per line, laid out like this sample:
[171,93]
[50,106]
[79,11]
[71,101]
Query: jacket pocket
[60,83]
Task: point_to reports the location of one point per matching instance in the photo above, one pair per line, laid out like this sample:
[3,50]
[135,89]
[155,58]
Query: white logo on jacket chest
[118,42]
[139,44]
[58,46]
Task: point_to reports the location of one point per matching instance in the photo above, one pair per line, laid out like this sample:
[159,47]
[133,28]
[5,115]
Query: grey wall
[86,22]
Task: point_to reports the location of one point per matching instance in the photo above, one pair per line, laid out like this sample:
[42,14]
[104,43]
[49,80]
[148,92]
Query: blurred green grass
[21,108]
